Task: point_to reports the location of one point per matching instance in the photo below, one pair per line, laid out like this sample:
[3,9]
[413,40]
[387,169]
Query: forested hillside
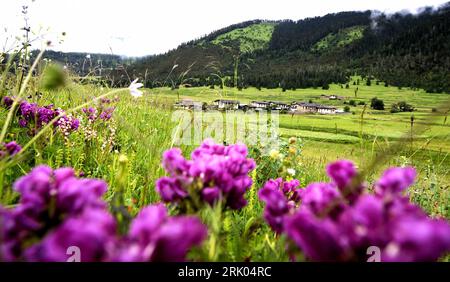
[403,50]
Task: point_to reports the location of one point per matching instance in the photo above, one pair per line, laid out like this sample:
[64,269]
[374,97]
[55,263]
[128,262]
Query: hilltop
[403,50]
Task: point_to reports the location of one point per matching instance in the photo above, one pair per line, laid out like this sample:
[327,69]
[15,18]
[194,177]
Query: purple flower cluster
[67,124]
[92,113]
[154,236]
[215,172]
[104,110]
[31,113]
[47,199]
[33,116]
[9,149]
[93,232]
[8,101]
[58,211]
[339,221]
[109,101]
[281,199]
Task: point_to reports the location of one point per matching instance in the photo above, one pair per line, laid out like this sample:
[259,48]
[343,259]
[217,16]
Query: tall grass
[141,130]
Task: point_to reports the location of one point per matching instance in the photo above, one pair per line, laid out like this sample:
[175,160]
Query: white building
[312,108]
[260,104]
[227,104]
[269,105]
[280,106]
[185,104]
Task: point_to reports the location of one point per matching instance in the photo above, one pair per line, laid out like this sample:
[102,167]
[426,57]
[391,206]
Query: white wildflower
[291,171]
[134,88]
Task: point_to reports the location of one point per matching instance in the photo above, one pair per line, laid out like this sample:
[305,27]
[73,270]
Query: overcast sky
[138,27]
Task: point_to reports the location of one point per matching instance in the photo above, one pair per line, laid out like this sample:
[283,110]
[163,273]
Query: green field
[178,155]
[127,150]
[352,135]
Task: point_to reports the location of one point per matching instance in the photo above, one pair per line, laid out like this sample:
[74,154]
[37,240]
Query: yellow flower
[274,154]
[292,150]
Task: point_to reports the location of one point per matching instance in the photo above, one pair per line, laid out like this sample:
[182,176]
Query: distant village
[293,108]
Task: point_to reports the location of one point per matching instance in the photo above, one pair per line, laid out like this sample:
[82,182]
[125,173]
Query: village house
[280,106]
[312,108]
[226,104]
[243,107]
[184,104]
[326,110]
[260,104]
[187,104]
[269,105]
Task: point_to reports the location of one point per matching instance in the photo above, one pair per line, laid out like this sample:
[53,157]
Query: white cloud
[138,27]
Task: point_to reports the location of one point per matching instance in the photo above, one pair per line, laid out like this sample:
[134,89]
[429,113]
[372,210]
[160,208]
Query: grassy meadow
[106,157]
[360,135]
[126,151]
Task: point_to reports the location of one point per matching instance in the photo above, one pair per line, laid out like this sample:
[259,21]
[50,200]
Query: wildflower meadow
[94,172]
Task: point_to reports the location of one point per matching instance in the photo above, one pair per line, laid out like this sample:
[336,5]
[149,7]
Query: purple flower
[395,180]
[415,240]
[8,101]
[59,213]
[28,110]
[74,195]
[67,124]
[280,198]
[211,195]
[154,236]
[341,172]
[35,188]
[47,199]
[176,237]
[30,114]
[5,227]
[290,188]
[215,172]
[144,227]
[13,148]
[276,207]
[174,162]
[45,115]
[363,224]
[92,233]
[105,101]
[75,124]
[23,123]
[107,113]
[319,239]
[170,189]
[9,149]
[318,198]
[329,226]
[71,194]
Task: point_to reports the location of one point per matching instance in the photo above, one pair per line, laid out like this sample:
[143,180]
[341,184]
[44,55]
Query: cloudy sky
[138,27]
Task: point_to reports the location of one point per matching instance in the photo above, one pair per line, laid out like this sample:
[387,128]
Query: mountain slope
[401,49]
[248,39]
[339,39]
